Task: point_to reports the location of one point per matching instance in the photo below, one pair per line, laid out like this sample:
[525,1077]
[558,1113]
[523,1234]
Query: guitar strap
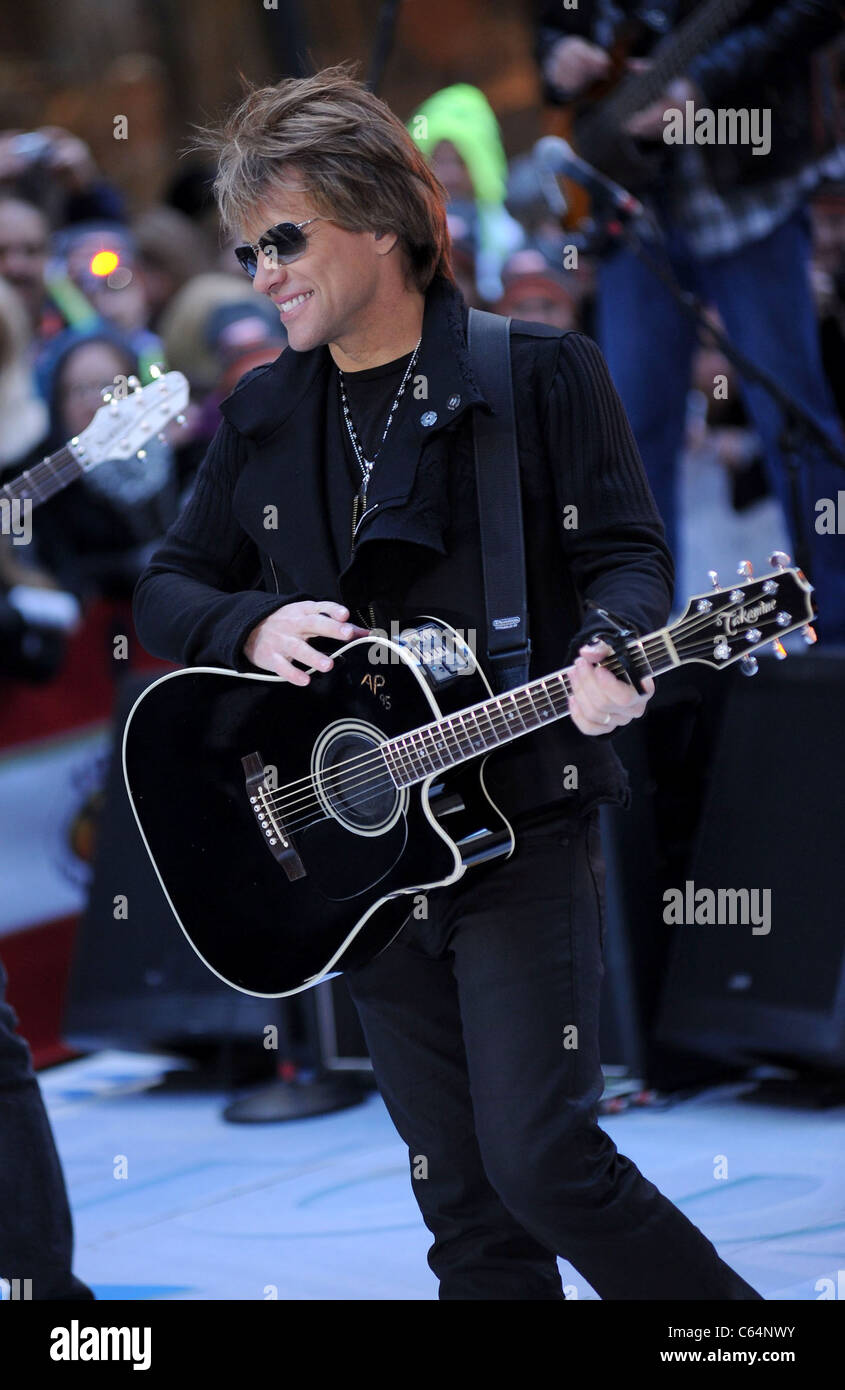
[499,502]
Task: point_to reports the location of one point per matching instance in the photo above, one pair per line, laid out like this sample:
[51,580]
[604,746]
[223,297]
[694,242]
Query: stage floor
[322,1208]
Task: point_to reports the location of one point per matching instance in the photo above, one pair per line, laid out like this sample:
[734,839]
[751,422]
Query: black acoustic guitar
[295,831]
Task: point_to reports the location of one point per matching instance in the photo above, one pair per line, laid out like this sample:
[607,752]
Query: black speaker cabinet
[667,756]
[770,987]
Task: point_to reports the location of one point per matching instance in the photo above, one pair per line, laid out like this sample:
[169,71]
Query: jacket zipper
[356,523]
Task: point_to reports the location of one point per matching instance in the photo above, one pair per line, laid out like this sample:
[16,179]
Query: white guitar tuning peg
[779,649]
[105,394]
[748,666]
[133,382]
[809,635]
[161,437]
[141,454]
[714,578]
[745,569]
[155,371]
[181,420]
[779,559]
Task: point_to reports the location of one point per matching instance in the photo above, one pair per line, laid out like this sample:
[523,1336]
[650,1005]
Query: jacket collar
[269,399]
[283,408]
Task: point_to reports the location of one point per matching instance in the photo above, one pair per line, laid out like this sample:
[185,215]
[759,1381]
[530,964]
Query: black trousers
[36,1233]
[482,1026]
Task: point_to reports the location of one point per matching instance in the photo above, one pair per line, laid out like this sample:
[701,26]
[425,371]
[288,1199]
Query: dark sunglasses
[286,241]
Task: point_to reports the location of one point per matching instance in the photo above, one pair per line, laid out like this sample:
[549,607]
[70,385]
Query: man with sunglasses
[339,495]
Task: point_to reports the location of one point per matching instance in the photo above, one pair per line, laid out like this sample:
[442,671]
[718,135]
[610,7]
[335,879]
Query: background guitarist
[735,231]
[464,1013]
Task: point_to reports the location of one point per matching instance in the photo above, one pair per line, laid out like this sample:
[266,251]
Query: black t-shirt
[370,394]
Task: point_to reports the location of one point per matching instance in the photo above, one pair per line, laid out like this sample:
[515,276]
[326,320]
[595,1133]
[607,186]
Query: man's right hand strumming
[282,638]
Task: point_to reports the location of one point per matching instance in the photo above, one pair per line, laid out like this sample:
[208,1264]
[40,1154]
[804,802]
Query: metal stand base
[296,1100]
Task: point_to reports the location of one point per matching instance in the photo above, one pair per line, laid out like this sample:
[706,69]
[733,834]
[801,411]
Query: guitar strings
[520,694]
[69,464]
[375,758]
[380,783]
[372,758]
[364,763]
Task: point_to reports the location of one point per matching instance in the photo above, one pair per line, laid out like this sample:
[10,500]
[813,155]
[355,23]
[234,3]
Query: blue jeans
[762,293]
[469,1017]
[36,1233]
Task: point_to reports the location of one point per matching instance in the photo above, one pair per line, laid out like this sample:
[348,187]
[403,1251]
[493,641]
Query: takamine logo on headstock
[730,623]
[734,621]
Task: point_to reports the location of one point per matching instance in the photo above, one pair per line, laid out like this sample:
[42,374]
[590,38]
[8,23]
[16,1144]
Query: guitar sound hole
[356,783]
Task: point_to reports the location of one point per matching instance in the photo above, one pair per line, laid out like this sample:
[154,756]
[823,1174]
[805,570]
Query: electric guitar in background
[120,428]
[593,124]
[292,830]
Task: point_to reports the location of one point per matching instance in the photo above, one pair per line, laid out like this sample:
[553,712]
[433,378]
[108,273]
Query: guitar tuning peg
[779,559]
[133,382]
[779,649]
[809,635]
[748,666]
[105,394]
[162,437]
[181,420]
[155,371]
[141,454]
[714,578]
[745,569]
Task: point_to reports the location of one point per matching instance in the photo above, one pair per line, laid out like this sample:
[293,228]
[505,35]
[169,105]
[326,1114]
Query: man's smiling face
[338,273]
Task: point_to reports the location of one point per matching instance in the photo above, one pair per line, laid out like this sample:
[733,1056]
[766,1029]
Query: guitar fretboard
[482,727]
[45,479]
[669,60]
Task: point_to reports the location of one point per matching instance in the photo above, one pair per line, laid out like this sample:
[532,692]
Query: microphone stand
[799,430]
[305,1086]
[383,45]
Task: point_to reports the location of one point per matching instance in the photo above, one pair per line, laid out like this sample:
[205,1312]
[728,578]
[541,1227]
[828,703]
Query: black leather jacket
[764,60]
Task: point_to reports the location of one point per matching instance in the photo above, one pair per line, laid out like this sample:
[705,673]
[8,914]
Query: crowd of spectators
[90,294]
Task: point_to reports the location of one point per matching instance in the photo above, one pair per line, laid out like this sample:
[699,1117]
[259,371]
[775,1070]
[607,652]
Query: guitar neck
[480,728]
[47,478]
[670,59]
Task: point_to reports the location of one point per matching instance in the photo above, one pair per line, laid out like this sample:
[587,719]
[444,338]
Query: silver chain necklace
[365,464]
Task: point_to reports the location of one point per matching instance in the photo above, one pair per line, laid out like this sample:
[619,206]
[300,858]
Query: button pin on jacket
[429,418]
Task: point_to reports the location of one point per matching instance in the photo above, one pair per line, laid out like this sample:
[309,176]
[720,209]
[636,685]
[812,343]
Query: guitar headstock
[729,623]
[123,425]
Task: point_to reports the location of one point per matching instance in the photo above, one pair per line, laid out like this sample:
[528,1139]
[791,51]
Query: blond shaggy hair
[347,150]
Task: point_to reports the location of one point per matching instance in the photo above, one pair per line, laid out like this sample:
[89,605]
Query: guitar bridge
[268,820]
